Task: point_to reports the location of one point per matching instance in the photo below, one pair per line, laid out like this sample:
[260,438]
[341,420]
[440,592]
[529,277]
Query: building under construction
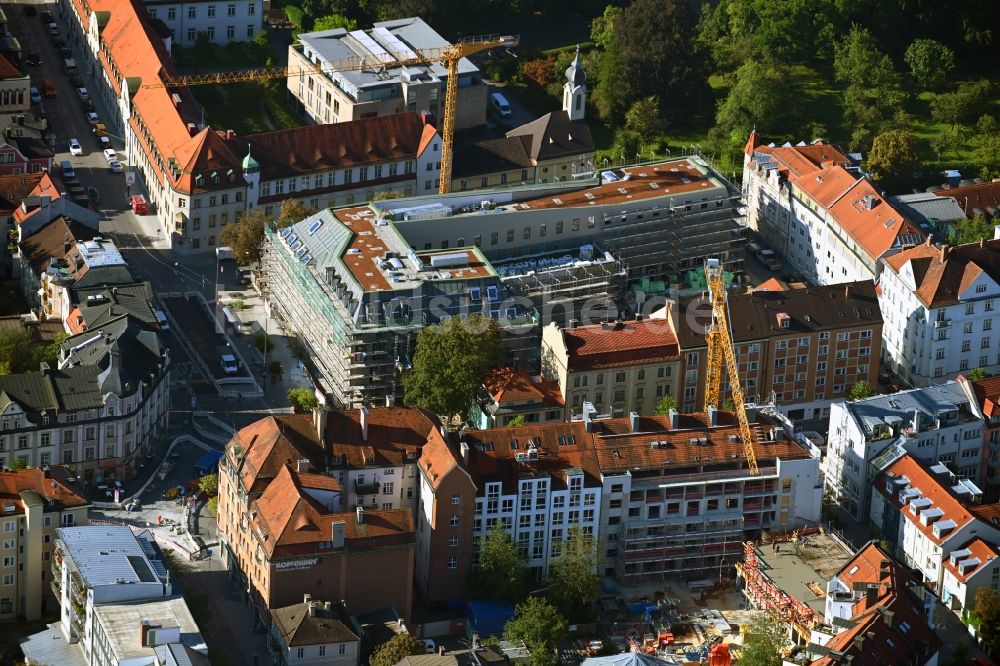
[660,220]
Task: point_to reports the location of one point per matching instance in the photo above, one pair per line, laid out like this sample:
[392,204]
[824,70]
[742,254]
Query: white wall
[243,17]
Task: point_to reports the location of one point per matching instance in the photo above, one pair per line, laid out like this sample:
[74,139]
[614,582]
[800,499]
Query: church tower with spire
[575,90]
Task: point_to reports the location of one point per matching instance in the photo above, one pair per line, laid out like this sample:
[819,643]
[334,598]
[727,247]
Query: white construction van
[500,105]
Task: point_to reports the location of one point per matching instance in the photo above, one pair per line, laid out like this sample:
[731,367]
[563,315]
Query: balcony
[366,487]
[942,323]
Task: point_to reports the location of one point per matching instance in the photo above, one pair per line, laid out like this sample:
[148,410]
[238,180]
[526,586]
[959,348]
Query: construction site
[787,576]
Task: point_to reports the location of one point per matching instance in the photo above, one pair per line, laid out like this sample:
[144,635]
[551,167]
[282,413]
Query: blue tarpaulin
[208,462]
[488,618]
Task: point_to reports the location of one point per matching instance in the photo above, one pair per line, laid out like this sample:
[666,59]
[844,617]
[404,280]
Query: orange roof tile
[628,343]
[13,189]
[395,436]
[262,448]
[981,198]
[978,550]
[774,284]
[437,459]
[318,481]
[13,483]
[987,391]
[796,161]
[289,517]
[930,487]
[8,70]
[508,385]
[942,274]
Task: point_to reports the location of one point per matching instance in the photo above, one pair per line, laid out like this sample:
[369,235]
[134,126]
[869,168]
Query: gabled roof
[975,555]
[14,483]
[509,385]
[98,305]
[987,392]
[976,199]
[124,350]
[53,241]
[887,624]
[395,435]
[205,159]
[14,189]
[8,70]
[262,448]
[324,626]
[473,158]
[754,315]
[942,274]
[287,516]
[54,390]
[620,344]
[555,136]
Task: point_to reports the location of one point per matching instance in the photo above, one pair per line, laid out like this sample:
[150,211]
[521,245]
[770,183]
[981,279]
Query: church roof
[575,73]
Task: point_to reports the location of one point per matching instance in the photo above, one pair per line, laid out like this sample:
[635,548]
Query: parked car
[33,58]
[229,365]
[104,142]
[49,88]
[46,16]
[67,169]
[94,194]
[139,205]
[36,95]
[100,129]
[110,155]
[53,29]
[88,105]
[76,80]
[161,319]
[116,167]
[75,148]
[58,42]
[92,118]
[82,92]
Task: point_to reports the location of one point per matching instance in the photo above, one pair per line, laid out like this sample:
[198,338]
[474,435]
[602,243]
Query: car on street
[110,155]
[53,29]
[75,148]
[92,118]
[67,169]
[46,16]
[33,58]
[117,167]
[229,365]
[82,92]
[161,319]
[88,105]
[93,194]
[49,87]
[104,141]
[36,95]
[76,80]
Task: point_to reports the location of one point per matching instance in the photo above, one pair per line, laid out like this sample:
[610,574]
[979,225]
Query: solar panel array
[379,54]
[394,44]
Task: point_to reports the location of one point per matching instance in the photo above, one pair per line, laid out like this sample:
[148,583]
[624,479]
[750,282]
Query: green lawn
[246,107]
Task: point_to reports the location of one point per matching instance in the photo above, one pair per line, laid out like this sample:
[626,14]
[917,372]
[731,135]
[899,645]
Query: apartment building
[661,495]
[927,294]
[199,179]
[510,393]
[878,612]
[618,368]
[35,503]
[14,88]
[286,530]
[974,565]
[928,513]
[986,394]
[312,633]
[807,347]
[938,423]
[817,210]
[220,22]
[344,92]
[355,295]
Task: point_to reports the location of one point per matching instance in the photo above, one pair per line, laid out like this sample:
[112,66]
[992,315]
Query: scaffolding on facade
[764,594]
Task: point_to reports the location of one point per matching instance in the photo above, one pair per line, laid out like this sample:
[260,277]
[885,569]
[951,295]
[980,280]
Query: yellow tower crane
[449,56]
[720,348]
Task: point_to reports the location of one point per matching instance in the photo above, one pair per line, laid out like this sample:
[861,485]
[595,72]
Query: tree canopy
[972,230]
[873,92]
[929,61]
[396,648]
[331,21]
[964,105]
[893,159]
[860,391]
[302,399]
[572,582]
[987,610]
[762,97]
[20,353]
[292,211]
[450,363]
[665,404]
[246,235]
[500,574]
[764,641]
[538,623]
[209,484]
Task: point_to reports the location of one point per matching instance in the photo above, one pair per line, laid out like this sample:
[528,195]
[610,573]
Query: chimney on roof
[633,421]
[364,423]
[996,232]
[464,448]
[588,415]
[390,400]
[337,528]
[302,465]
[674,419]
[306,598]
[230,134]
[945,251]
[573,323]
[930,239]
[713,416]
[319,422]
[143,632]
[982,243]
[361,514]
[192,129]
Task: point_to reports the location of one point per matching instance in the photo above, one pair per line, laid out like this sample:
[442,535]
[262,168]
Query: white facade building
[927,513]
[819,213]
[938,304]
[976,564]
[222,21]
[934,424]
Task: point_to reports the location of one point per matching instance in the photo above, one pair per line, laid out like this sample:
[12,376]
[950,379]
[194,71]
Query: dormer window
[783,319]
[215,177]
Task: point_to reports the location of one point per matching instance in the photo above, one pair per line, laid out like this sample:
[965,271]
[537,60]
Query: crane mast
[720,348]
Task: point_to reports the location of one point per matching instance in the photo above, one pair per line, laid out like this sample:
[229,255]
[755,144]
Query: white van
[500,105]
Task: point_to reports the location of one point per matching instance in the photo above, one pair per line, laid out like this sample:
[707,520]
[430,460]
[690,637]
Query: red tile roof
[938,491]
[395,436]
[978,550]
[12,484]
[262,448]
[508,385]
[437,459]
[8,70]
[988,393]
[943,274]
[618,345]
[796,161]
[982,198]
[774,284]
[13,189]
[888,627]
[286,516]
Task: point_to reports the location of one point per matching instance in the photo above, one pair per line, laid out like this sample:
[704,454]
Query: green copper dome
[249,163]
